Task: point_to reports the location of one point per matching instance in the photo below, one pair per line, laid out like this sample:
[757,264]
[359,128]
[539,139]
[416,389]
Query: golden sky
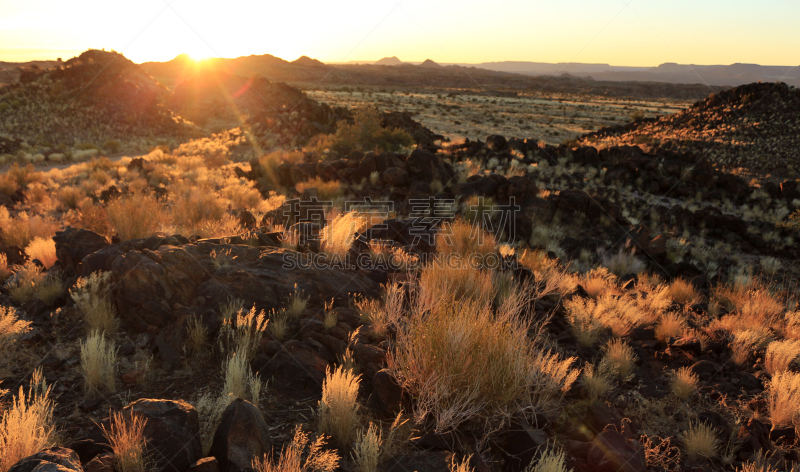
[629,32]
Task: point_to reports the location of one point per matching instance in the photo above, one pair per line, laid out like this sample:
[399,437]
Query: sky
[616,32]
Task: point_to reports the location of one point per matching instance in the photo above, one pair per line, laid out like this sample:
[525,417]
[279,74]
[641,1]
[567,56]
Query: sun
[199,55]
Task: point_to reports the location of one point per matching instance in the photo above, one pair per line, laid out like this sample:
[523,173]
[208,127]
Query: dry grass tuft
[296,304]
[23,284]
[317,457]
[242,334]
[462,466]
[26,425]
[197,336]
[367,449]
[91,295]
[98,363]
[670,325]
[700,441]
[327,190]
[22,229]
[239,379]
[339,233]
[620,355]
[126,437]
[683,292]
[338,409]
[597,381]
[684,383]
[135,216]
[780,355]
[783,398]
[551,460]
[5,271]
[44,250]
[623,263]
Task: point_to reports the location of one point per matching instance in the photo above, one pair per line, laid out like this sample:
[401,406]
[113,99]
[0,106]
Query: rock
[54,459]
[420,461]
[296,367]
[706,369]
[427,167]
[72,245]
[241,437]
[521,443]
[387,394]
[599,416]
[149,283]
[689,345]
[207,464]
[101,463]
[496,143]
[87,449]
[395,176]
[172,431]
[612,451]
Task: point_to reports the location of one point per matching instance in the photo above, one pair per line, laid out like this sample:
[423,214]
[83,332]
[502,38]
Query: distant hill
[307,62]
[91,99]
[756,126]
[430,64]
[732,75]
[389,61]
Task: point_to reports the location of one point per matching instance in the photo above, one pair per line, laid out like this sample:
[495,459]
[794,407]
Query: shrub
[683,292]
[465,363]
[50,289]
[339,233]
[5,271]
[623,263]
[26,425]
[596,381]
[684,382]
[10,328]
[239,379]
[91,295]
[783,398]
[367,449]
[780,355]
[366,133]
[700,440]
[465,239]
[551,460]
[338,409]
[621,356]
[328,190]
[317,457]
[22,229]
[194,209]
[669,326]
[27,277]
[44,250]
[135,216]
[126,437]
[98,363]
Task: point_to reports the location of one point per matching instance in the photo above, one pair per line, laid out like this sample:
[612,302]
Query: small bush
[669,326]
[22,229]
[338,409]
[44,250]
[10,328]
[339,233]
[300,456]
[328,190]
[5,271]
[780,355]
[98,363]
[700,441]
[623,263]
[783,398]
[26,425]
[91,295]
[596,381]
[126,437]
[367,449]
[135,216]
[683,292]
[366,133]
[551,460]
[50,289]
[22,286]
[684,383]
[621,356]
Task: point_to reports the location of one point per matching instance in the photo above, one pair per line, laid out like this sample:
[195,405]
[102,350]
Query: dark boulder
[172,431]
[427,167]
[611,450]
[54,459]
[241,437]
[73,245]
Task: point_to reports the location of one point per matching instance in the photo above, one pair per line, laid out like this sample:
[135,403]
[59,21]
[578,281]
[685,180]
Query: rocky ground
[654,247]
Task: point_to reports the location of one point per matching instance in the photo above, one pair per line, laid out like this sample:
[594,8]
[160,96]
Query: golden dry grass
[25,282]
[98,364]
[367,449]
[126,436]
[621,356]
[44,250]
[783,398]
[700,441]
[327,190]
[22,228]
[242,334]
[683,292]
[26,425]
[339,409]
[597,381]
[10,328]
[339,233]
[780,355]
[300,455]
[239,379]
[669,326]
[551,460]
[91,295]
[684,382]
[136,216]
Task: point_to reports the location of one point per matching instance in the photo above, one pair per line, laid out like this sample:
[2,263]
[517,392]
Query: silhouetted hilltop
[755,125]
[306,61]
[389,61]
[91,99]
[429,63]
